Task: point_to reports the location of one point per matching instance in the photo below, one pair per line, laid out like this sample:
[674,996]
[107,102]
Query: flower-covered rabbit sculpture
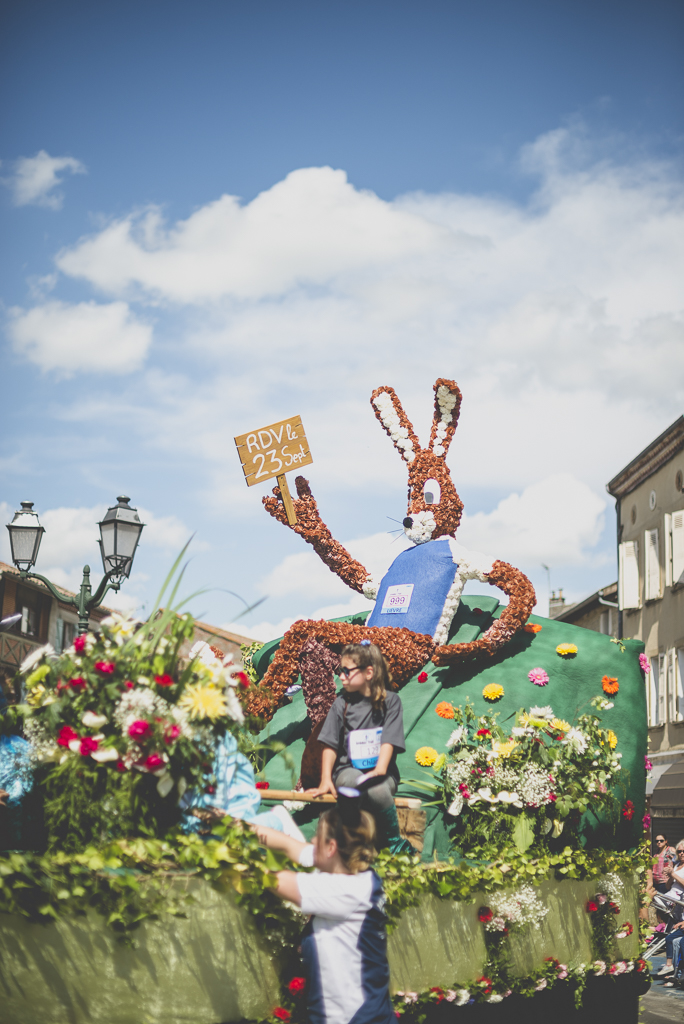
[417,599]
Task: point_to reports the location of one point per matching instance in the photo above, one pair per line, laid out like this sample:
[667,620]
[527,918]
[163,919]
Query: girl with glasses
[362,735]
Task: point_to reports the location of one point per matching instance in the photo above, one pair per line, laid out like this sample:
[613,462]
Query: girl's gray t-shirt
[356,734]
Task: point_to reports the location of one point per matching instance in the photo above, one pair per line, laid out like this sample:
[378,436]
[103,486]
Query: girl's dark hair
[356,846]
[365,655]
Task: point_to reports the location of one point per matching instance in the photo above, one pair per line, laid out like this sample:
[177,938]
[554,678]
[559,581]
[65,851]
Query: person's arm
[327,764]
[288,888]
[276,840]
[678,874]
[384,758]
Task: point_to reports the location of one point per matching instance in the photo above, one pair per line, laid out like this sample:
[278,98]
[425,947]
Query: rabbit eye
[431,492]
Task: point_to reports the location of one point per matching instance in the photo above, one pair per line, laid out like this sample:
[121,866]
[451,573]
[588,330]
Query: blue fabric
[16,772]
[236,791]
[377,1007]
[431,569]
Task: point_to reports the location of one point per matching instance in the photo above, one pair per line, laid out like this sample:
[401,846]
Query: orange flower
[444,709]
[610,684]
[532,627]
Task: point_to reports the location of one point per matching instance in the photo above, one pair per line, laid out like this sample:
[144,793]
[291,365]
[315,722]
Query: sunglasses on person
[348,671]
[661,840]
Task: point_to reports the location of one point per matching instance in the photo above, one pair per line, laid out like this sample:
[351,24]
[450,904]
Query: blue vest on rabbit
[414,590]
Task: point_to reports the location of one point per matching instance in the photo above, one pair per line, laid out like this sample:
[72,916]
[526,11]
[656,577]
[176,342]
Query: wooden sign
[271,452]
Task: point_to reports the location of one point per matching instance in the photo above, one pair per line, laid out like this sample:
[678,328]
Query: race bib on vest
[397,599]
[364,747]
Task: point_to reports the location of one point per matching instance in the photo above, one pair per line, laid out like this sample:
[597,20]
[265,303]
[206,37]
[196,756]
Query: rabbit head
[434,507]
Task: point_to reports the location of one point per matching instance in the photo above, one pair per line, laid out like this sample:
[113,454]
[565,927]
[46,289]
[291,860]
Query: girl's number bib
[364,747]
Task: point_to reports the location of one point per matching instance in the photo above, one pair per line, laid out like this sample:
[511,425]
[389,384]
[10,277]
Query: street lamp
[120,532]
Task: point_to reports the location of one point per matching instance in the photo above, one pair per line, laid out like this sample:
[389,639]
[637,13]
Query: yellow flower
[561,725]
[38,696]
[565,649]
[493,692]
[426,756]
[504,749]
[612,738]
[203,702]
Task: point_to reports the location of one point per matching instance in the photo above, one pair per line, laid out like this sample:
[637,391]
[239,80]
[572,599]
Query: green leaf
[523,832]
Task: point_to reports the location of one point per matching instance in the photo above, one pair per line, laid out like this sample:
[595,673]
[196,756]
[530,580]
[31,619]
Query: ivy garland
[129,881]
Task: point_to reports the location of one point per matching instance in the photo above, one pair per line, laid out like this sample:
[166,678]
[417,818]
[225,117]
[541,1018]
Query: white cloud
[557,521]
[36,177]
[81,337]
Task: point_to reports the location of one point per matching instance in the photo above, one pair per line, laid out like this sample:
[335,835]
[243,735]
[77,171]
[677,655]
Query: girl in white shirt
[344,946]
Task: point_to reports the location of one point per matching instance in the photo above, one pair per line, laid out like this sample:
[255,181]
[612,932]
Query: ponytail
[356,846]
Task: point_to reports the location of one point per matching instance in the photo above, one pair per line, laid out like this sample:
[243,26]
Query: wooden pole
[287,499]
[292,794]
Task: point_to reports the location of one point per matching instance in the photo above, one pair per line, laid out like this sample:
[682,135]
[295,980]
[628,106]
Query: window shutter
[680,681]
[678,547]
[652,565]
[652,683]
[672,689]
[668,548]
[629,574]
[662,689]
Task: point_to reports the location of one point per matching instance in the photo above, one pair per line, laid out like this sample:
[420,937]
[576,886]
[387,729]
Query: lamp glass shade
[26,534]
[119,535]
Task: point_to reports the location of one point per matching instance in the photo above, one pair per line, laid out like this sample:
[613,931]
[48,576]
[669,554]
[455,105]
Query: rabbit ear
[445,417]
[388,409]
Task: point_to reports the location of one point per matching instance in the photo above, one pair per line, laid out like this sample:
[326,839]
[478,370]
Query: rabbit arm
[521,601]
[311,527]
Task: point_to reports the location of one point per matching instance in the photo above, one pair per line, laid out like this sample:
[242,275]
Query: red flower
[172,733]
[138,729]
[120,766]
[280,1013]
[242,680]
[66,735]
[641,965]
[164,680]
[79,643]
[439,993]
[614,907]
[129,684]
[484,915]
[297,985]
[486,984]
[262,785]
[210,790]
[78,683]
[483,732]
[628,810]
[154,762]
[422,677]
[592,907]
[88,745]
[105,667]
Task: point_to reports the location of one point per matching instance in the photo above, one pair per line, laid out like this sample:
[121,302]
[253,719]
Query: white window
[656,704]
[28,621]
[64,634]
[674,685]
[629,575]
[652,565]
[674,548]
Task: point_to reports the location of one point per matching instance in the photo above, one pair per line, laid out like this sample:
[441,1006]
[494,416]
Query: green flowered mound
[573,681]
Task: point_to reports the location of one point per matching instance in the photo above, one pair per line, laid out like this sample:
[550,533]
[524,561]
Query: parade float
[122,901]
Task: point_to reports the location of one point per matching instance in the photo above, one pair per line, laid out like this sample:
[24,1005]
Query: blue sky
[489,192]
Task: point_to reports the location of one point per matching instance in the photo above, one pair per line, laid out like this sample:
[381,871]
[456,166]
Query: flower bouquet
[121,726]
[527,787]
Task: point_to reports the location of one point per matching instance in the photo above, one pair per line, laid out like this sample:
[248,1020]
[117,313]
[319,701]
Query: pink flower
[538,676]
[648,763]
[88,745]
[105,667]
[66,735]
[78,683]
[138,729]
[154,762]
[647,822]
[120,766]
[644,663]
[562,971]
[172,733]
[542,985]
[79,643]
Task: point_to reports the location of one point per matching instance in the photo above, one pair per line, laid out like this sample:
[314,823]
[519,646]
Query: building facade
[649,495]
[598,612]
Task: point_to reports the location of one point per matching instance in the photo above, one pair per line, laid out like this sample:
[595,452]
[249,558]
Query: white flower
[456,737]
[93,721]
[294,805]
[456,806]
[439,449]
[494,998]
[105,754]
[370,589]
[462,996]
[575,738]
[34,657]
[545,713]
[74,746]
[422,527]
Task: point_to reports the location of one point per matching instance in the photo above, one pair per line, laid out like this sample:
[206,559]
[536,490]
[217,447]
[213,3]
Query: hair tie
[364,643]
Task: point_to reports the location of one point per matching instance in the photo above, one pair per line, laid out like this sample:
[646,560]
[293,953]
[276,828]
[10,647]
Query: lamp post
[120,531]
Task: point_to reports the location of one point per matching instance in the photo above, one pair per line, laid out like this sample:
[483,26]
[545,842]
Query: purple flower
[538,676]
[644,663]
